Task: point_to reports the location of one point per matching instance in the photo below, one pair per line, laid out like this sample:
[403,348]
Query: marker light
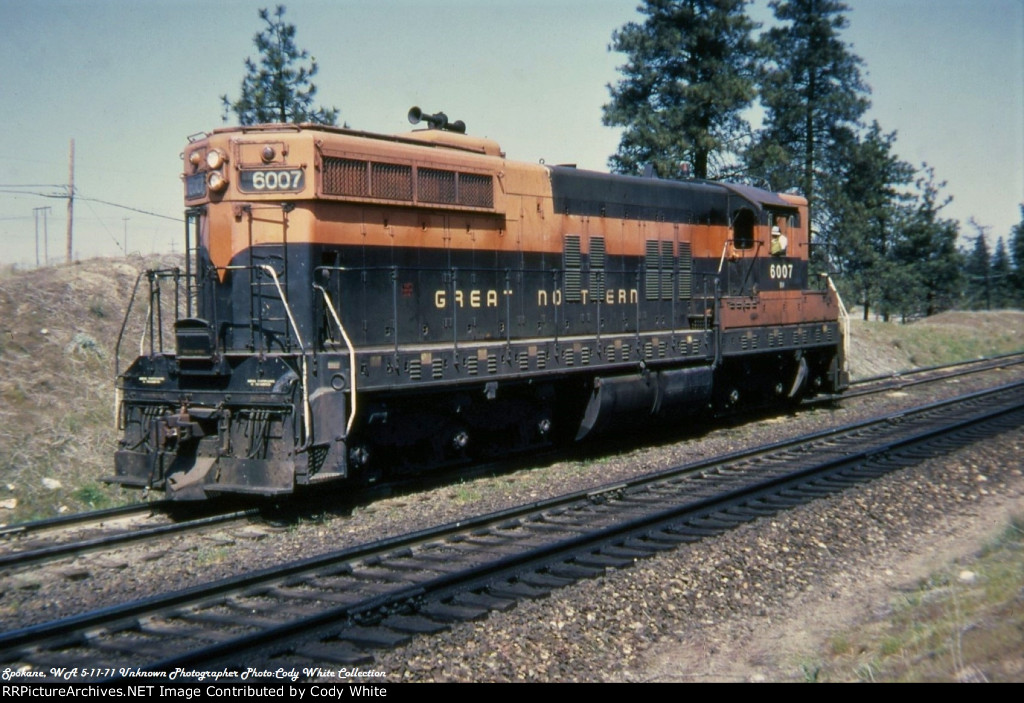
[195,158]
[268,154]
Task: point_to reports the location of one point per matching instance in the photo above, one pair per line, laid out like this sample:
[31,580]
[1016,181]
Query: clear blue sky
[129,80]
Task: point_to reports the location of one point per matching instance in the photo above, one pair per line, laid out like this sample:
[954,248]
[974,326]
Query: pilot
[779,243]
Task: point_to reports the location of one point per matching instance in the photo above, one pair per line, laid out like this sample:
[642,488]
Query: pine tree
[978,268]
[927,262]
[279,87]
[688,78]
[1000,275]
[865,194]
[812,93]
[1017,258]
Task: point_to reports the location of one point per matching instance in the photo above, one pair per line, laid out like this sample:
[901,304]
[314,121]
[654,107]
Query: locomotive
[355,305]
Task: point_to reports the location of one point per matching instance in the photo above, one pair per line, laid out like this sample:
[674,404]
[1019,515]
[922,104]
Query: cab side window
[743,229]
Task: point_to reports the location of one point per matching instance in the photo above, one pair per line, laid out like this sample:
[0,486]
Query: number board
[279,180]
[195,186]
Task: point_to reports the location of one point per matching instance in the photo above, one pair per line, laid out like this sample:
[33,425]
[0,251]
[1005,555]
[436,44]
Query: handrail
[307,422]
[725,250]
[124,325]
[153,276]
[351,355]
[844,320]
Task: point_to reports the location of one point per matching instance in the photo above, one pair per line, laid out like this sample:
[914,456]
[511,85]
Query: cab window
[743,229]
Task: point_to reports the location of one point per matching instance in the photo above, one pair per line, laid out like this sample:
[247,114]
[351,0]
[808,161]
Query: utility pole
[71,195]
[46,235]
[35,216]
[46,238]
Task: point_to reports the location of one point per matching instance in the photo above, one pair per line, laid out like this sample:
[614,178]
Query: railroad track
[338,608]
[29,544]
[29,530]
[930,374]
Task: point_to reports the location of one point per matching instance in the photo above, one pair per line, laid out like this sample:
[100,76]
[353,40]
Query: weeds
[207,556]
[56,386]
[810,672]
[840,644]
[951,628]
[93,495]
[464,493]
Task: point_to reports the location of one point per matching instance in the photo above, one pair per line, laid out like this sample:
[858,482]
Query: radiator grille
[346,177]
[476,190]
[367,179]
[436,186]
[391,181]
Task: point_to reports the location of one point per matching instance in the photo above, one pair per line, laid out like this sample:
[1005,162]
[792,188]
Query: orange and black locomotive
[355,304]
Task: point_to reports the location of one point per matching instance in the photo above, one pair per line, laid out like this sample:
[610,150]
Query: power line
[103,223]
[30,192]
[3,189]
[128,207]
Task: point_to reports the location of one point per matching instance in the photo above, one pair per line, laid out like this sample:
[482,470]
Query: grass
[93,495]
[58,328]
[210,555]
[840,644]
[963,623]
[466,492]
[883,347]
[811,671]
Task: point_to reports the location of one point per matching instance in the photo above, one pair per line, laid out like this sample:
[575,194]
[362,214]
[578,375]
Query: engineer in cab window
[778,243]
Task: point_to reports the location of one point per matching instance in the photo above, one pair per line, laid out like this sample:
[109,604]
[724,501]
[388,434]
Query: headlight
[216,182]
[215,158]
